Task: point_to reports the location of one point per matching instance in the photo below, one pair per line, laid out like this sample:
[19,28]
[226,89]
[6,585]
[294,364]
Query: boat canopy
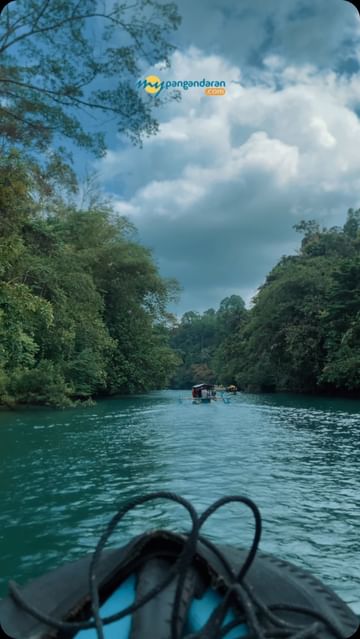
[199,386]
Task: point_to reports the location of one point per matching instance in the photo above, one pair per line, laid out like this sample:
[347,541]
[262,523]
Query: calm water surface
[63,473]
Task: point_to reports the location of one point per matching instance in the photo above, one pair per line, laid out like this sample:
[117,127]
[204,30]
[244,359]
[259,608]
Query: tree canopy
[66,67]
[82,305]
[302,333]
[204,343]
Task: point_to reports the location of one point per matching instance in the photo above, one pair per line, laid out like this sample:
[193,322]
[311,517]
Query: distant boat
[203,393]
[231,389]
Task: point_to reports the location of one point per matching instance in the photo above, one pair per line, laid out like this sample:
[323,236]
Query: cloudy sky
[216,193]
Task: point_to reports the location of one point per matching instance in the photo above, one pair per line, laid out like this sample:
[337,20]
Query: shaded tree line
[206,344]
[302,333]
[82,305]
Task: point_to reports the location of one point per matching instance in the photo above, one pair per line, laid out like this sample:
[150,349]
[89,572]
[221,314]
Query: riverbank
[251,391]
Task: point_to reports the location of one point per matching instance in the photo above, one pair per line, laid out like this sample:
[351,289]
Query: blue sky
[216,193]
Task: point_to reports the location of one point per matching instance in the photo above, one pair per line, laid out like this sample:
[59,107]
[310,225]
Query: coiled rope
[261,620]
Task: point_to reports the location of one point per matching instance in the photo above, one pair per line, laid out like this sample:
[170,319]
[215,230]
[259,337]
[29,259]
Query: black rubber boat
[176,586]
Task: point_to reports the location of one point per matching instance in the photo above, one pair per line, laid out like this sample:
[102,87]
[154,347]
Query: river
[63,473]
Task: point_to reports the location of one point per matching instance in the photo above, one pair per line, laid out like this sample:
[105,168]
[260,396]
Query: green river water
[63,473]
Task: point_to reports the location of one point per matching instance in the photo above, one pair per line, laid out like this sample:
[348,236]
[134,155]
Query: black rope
[181,564]
[248,609]
[184,558]
[256,540]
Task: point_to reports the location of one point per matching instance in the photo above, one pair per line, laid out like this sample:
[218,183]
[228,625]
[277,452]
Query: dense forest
[83,308]
[302,333]
[82,305]
[207,344]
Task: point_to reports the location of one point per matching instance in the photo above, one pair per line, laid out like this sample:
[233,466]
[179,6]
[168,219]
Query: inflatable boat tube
[277,589]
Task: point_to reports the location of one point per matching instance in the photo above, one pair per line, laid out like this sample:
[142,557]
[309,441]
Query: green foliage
[282,340]
[82,305]
[204,344]
[231,319]
[302,333]
[43,92]
[341,367]
[42,384]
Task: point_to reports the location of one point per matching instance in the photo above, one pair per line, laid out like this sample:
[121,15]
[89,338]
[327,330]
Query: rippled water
[63,472]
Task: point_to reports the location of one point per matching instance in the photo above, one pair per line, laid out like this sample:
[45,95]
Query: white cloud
[217,191]
[321,133]
[125,208]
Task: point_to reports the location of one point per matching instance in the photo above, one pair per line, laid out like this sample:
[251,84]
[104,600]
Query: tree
[194,340]
[341,367]
[283,341]
[82,305]
[207,342]
[352,224]
[62,60]
[302,333]
[231,312]
[23,313]
[231,318]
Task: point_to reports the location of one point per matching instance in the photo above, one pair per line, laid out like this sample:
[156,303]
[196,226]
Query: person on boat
[204,393]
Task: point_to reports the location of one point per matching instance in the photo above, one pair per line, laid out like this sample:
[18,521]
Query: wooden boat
[203,393]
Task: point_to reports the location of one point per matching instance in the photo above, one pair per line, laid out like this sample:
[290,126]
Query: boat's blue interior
[124,596]
[200,611]
[121,598]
